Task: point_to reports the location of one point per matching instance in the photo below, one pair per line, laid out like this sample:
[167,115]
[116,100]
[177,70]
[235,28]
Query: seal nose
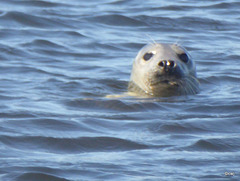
[167,65]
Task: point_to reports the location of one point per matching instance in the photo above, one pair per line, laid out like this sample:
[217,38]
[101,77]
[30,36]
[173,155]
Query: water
[59,59]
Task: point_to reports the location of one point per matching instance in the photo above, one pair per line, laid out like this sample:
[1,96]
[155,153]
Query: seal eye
[184,57]
[147,56]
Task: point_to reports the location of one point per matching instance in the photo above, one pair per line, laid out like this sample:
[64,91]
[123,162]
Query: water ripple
[14,18]
[71,145]
[61,61]
[221,145]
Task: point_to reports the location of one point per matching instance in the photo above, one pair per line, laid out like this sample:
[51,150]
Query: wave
[70,145]
[13,18]
[116,20]
[38,177]
[215,145]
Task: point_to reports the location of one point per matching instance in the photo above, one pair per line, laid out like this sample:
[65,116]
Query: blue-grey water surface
[59,60]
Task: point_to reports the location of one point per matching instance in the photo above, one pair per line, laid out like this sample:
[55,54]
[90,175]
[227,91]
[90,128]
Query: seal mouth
[173,80]
[166,79]
[166,82]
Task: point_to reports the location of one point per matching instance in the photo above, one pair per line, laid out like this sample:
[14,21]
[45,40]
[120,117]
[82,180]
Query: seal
[163,70]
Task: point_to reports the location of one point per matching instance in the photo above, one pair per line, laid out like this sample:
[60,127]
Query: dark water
[59,59]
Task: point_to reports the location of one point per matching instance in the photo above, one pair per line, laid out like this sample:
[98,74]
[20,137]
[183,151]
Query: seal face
[163,70]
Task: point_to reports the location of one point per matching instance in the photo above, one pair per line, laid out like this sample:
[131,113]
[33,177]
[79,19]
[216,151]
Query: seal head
[163,70]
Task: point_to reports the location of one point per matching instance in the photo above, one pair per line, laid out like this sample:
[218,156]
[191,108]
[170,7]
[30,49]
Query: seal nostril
[162,63]
[171,63]
[167,64]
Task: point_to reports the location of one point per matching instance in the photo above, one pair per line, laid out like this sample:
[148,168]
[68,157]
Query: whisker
[154,42]
[192,86]
[178,41]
